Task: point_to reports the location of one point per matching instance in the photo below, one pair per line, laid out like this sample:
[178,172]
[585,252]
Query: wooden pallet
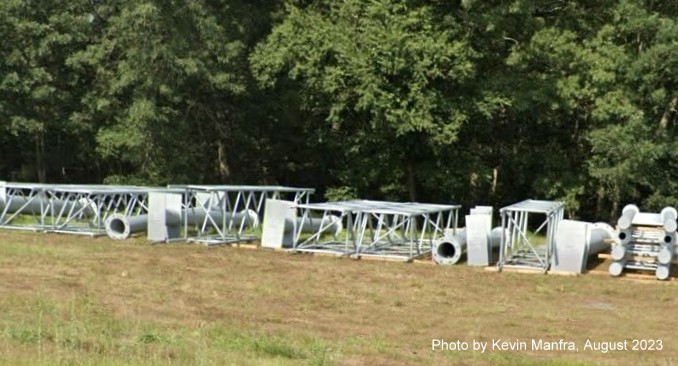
[634,275]
[246,245]
[562,273]
[514,270]
[378,258]
[330,255]
[269,249]
[647,228]
[639,258]
[628,275]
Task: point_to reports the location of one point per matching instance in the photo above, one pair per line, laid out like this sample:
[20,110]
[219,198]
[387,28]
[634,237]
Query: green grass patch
[88,333]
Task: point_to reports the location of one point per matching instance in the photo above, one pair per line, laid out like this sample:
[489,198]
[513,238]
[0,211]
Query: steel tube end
[618,252]
[616,268]
[626,219]
[447,252]
[117,227]
[625,236]
[662,272]
[665,255]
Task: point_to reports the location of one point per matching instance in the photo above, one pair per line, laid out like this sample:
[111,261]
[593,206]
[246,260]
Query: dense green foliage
[475,102]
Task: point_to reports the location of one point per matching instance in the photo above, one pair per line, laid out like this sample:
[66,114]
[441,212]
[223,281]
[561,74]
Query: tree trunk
[40,167]
[671,109]
[615,209]
[224,169]
[599,202]
[411,182]
[495,179]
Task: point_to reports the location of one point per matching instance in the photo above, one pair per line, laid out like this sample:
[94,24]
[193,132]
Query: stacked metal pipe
[646,241]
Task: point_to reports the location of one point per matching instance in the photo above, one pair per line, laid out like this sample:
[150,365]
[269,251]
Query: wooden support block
[633,277]
[516,270]
[599,272]
[647,228]
[640,258]
[275,249]
[429,262]
[562,273]
[637,258]
[523,270]
[245,246]
[641,276]
[367,257]
[326,254]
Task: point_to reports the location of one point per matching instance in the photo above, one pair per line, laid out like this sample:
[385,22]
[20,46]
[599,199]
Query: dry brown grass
[76,300]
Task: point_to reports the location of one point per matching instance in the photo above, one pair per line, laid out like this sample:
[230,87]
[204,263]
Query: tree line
[467,101]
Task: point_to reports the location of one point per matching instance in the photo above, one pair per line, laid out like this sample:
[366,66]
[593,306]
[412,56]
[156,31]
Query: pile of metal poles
[645,241]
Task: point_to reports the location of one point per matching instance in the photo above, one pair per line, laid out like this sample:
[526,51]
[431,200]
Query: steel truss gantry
[519,248]
[394,230]
[73,209]
[221,214]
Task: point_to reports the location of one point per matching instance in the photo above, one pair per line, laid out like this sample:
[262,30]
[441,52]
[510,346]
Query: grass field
[81,301]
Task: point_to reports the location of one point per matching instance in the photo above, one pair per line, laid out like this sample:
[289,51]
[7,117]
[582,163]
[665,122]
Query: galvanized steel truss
[206,200]
[374,228]
[519,248]
[73,209]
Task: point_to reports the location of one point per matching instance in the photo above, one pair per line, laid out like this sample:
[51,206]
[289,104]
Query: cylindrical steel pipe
[198,217]
[663,271]
[448,250]
[313,224]
[616,268]
[122,227]
[669,217]
[32,205]
[626,219]
[598,234]
[665,255]
[495,237]
[35,205]
[619,252]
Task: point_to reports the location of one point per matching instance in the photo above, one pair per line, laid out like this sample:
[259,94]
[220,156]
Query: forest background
[470,102]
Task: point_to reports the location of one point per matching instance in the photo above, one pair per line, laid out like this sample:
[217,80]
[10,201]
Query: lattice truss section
[219,214]
[372,228]
[75,209]
[522,244]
